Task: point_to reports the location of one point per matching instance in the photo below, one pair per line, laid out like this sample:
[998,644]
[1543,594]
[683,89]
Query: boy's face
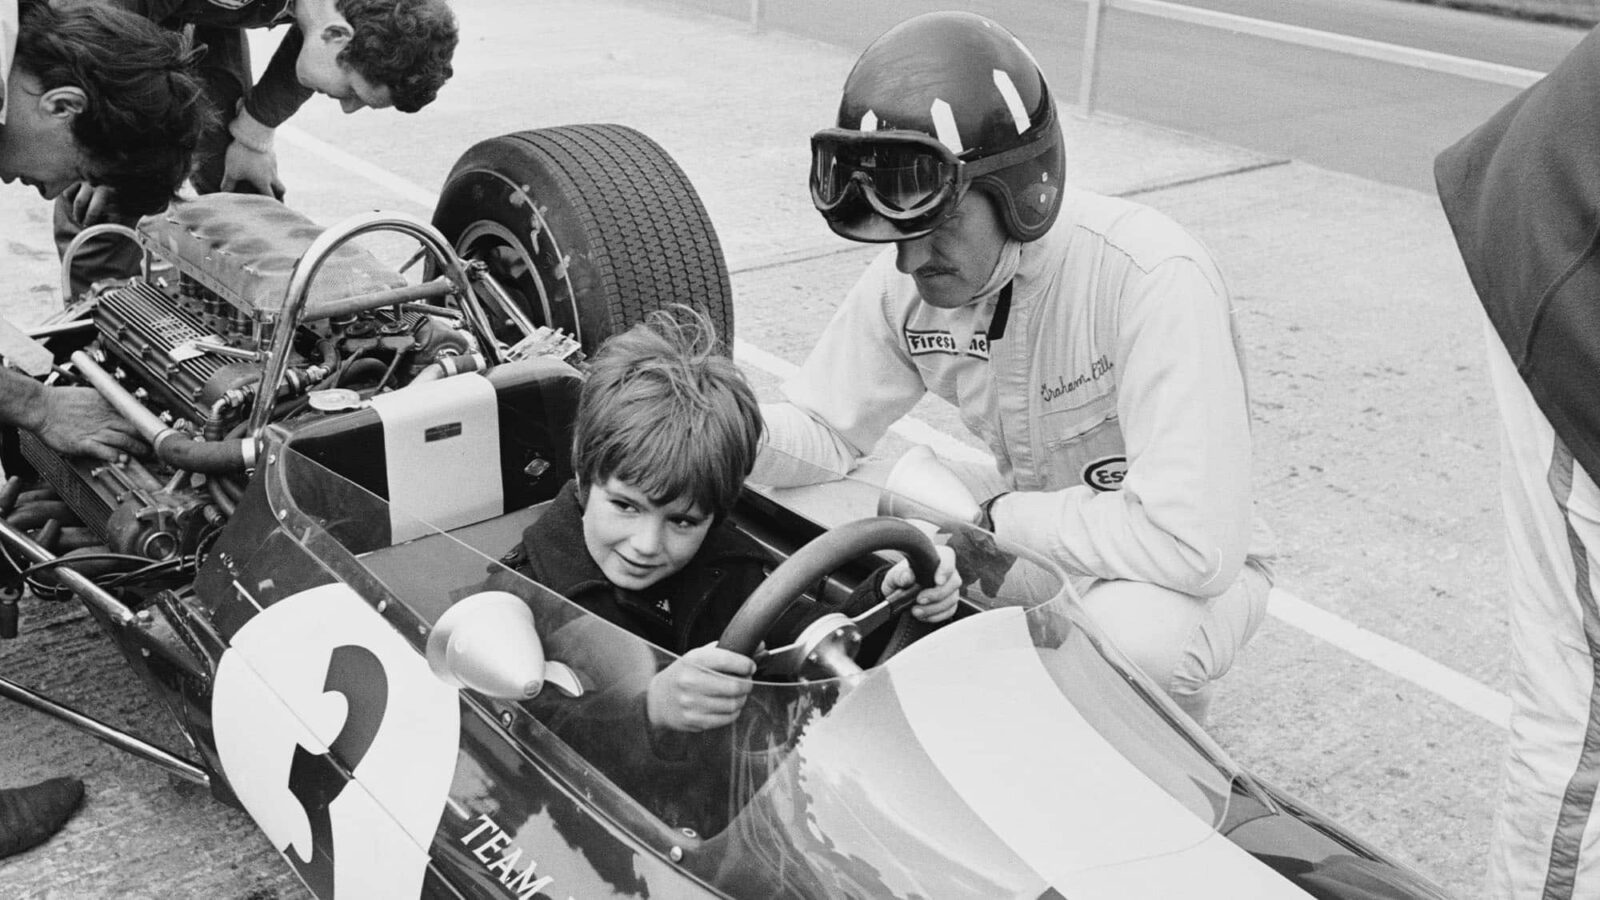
[635,542]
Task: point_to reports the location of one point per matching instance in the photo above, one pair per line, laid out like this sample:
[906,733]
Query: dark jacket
[1522,193]
[679,613]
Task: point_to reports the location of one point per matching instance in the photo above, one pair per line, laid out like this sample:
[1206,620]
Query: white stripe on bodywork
[944,127]
[1064,800]
[441,442]
[1008,90]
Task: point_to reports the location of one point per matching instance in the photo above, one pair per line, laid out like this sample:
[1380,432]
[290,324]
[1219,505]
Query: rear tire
[588,227]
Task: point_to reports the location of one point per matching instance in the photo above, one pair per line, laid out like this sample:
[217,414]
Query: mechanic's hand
[703,689]
[90,202]
[77,421]
[934,604]
[248,170]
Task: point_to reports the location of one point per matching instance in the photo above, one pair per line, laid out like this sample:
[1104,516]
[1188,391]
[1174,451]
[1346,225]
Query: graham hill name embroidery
[1098,369]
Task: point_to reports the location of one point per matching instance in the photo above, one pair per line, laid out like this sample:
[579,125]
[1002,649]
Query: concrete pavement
[1373,422]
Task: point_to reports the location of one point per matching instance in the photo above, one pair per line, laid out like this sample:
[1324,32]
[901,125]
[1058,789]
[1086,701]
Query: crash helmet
[937,105]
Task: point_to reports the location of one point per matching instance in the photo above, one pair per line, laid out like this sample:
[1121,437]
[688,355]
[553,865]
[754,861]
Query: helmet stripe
[1008,90]
[944,126]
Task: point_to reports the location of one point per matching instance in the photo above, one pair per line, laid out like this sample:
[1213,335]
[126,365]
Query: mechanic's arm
[75,421]
[857,381]
[1182,518]
[251,158]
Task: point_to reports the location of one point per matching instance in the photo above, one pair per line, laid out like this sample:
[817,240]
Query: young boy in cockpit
[667,430]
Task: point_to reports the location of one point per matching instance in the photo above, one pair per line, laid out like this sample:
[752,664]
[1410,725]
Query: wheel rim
[538,280]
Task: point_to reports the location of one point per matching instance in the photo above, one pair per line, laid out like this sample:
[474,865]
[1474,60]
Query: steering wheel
[806,567]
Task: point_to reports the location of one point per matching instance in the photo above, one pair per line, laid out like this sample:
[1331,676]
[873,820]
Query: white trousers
[1546,840]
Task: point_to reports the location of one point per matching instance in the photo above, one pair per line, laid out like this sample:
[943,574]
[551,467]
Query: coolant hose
[171,446]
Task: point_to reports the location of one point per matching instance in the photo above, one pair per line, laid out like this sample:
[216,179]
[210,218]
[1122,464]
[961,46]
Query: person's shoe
[30,815]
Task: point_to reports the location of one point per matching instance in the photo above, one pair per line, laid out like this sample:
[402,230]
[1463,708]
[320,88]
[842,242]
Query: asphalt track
[1375,698]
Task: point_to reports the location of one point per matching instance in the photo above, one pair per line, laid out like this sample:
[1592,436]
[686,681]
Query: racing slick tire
[588,228]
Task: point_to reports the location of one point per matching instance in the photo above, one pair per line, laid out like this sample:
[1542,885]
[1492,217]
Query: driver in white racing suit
[1087,340]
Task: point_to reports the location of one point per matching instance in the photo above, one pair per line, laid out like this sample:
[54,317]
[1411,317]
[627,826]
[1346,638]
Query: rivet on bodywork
[676,854]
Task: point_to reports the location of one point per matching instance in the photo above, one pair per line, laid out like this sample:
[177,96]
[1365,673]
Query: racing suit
[225,72]
[1099,365]
[1522,193]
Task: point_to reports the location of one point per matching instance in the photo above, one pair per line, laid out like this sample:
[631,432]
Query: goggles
[880,186]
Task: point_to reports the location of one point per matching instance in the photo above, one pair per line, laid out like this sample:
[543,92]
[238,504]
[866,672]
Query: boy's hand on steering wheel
[934,604]
[703,689]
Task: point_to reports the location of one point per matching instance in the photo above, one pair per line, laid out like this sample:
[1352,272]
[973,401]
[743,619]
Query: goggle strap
[1007,158]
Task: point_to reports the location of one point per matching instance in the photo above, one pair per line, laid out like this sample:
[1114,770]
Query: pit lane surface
[1374,424]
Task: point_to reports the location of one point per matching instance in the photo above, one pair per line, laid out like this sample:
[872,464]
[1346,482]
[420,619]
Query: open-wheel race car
[343,452]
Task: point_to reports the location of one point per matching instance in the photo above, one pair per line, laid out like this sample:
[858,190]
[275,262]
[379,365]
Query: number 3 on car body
[313,687]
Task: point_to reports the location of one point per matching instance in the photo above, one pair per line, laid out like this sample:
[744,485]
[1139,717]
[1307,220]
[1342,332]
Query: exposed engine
[190,342]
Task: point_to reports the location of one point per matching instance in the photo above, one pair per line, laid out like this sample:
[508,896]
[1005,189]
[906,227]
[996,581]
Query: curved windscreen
[1006,753]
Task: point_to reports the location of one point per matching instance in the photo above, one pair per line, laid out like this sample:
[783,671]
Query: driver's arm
[856,382]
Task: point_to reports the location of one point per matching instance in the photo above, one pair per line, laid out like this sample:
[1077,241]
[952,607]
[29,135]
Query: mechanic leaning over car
[666,431]
[1087,340]
[97,94]
[362,53]
[1522,193]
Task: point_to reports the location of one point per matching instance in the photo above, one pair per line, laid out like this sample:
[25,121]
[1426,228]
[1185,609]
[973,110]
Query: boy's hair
[667,413]
[145,110]
[404,45]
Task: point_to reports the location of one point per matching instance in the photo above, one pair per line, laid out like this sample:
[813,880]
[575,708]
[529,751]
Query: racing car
[344,449]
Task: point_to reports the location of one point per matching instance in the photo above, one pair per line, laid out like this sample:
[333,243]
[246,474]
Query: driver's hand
[77,421]
[704,689]
[90,202]
[934,604]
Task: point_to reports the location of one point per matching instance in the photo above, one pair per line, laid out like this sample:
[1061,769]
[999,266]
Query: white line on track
[385,179]
[1397,659]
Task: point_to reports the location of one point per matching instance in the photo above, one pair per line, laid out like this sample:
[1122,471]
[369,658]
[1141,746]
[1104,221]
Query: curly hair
[404,45]
[666,411]
[145,110]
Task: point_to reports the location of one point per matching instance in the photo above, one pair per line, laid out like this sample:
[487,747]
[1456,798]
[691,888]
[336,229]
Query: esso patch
[314,684]
[1106,474]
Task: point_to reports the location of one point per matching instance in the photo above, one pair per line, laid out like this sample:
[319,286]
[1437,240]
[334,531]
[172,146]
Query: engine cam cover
[244,247]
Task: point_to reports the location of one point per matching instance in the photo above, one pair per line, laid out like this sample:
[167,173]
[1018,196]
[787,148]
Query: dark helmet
[937,104]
